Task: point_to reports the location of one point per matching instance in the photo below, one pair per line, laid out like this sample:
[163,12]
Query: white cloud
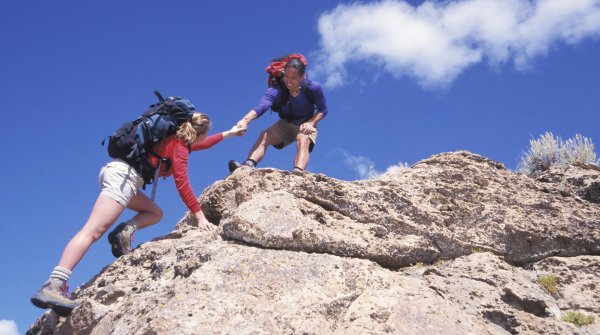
[365,167]
[391,171]
[8,327]
[436,41]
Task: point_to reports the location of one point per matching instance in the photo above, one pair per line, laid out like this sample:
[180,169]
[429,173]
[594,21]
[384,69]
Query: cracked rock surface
[455,244]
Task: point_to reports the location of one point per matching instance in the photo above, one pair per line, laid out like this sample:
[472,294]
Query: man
[301,106]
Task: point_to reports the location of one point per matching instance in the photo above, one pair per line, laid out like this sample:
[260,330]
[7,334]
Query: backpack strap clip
[161,161]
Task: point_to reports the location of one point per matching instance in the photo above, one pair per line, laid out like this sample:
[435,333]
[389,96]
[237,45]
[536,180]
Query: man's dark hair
[296,64]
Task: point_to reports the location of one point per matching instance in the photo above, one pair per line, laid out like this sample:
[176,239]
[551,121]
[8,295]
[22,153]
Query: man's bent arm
[316,119]
[243,123]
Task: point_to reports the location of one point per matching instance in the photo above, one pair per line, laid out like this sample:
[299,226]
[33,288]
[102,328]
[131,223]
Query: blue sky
[404,81]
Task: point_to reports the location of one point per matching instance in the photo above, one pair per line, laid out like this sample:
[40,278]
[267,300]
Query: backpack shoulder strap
[282,98]
[308,91]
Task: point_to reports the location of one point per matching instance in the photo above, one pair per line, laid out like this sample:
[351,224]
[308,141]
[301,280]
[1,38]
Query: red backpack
[275,69]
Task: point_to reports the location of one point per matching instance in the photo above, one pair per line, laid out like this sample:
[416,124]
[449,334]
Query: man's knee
[303,140]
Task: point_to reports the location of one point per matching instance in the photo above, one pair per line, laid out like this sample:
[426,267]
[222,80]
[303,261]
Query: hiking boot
[54,294]
[233,165]
[120,239]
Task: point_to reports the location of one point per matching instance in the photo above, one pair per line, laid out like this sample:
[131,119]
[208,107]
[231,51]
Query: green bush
[549,150]
[578,319]
[549,283]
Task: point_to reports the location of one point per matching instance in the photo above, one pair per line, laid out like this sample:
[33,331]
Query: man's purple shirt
[298,107]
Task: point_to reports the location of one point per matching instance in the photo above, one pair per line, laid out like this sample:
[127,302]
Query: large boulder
[443,207]
[456,244]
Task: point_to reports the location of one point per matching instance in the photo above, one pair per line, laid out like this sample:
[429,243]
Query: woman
[120,185]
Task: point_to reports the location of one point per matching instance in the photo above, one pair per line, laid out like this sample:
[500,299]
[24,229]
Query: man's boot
[233,164]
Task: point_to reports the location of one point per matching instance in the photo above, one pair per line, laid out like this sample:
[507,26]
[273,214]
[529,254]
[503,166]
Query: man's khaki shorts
[288,131]
[119,181]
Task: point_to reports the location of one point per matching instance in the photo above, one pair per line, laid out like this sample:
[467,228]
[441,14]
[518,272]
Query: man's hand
[242,125]
[203,222]
[307,128]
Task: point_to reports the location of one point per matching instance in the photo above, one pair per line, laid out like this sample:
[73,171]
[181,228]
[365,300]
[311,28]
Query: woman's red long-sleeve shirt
[178,152]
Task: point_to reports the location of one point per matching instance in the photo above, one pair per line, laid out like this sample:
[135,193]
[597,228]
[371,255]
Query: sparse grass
[477,250]
[578,319]
[549,283]
[549,150]
[441,261]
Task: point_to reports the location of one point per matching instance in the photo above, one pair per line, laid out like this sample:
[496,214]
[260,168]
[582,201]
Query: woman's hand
[234,131]
[203,222]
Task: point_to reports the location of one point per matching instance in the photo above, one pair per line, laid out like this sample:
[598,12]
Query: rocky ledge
[456,244]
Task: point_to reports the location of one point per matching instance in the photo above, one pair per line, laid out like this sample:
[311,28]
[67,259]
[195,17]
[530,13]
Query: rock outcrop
[582,180]
[455,244]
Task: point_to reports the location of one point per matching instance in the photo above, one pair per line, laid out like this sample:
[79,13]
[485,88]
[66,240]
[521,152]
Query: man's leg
[302,155]
[266,138]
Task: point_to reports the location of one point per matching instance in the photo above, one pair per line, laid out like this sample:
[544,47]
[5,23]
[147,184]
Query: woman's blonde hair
[198,125]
